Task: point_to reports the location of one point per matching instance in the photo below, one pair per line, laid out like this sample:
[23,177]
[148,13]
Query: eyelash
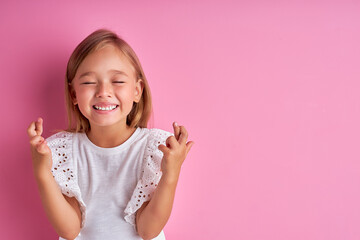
[88,83]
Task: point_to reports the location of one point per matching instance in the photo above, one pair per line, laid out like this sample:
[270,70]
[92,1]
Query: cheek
[83,94]
[126,93]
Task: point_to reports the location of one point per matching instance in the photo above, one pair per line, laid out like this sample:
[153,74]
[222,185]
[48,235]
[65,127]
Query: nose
[104,90]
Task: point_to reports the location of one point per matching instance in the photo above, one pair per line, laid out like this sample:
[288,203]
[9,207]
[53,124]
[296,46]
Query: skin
[106,84]
[63,212]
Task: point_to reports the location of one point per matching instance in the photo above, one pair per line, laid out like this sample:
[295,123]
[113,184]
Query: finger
[176,130]
[36,140]
[183,135]
[39,126]
[31,130]
[42,147]
[163,148]
[189,146]
[171,142]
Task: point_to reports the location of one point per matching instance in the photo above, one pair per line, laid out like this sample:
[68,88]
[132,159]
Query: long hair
[140,112]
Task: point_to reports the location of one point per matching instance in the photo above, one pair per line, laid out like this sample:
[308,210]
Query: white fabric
[110,184]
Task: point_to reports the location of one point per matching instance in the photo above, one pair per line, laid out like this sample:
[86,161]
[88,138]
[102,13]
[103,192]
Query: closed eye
[118,82]
[86,83]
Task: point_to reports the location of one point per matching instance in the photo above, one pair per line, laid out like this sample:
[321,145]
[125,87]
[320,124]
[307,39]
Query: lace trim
[151,173]
[63,169]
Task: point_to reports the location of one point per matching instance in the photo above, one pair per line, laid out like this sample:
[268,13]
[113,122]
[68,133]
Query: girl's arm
[153,215]
[63,212]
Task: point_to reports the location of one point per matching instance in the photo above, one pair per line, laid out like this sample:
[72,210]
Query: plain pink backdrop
[269,92]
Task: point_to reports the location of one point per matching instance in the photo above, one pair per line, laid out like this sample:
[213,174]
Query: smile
[107,108]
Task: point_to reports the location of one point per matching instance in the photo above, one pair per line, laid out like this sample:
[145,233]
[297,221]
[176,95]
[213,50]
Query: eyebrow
[113,71]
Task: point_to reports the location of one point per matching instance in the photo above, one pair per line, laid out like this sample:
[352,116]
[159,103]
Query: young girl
[108,176]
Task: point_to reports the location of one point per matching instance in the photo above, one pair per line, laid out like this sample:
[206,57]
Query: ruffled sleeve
[151,173]
[63,168]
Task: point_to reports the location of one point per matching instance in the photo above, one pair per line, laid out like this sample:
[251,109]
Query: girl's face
[105,87]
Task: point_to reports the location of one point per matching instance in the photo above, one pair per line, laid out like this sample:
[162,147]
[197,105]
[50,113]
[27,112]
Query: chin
[107,124]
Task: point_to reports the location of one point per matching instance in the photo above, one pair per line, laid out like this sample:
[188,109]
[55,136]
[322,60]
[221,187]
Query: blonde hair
[140,112]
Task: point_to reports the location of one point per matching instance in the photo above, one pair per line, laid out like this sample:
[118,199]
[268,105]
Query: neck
[108,137]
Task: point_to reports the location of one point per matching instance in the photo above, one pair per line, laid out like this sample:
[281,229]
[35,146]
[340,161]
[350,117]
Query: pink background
[269,92]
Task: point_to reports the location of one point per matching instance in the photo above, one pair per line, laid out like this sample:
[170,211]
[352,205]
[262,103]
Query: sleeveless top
[110,184]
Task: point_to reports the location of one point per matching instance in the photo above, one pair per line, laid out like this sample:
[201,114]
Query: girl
[108,176]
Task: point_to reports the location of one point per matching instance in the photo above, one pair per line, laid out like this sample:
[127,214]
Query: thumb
[163,148]
[42,148]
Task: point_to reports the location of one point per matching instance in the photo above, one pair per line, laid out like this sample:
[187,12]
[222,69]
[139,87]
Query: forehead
[106,57]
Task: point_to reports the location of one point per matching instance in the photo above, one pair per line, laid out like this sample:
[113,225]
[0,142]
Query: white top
[110,184]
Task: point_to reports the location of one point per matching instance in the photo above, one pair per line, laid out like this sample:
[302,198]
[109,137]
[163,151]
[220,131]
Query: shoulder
[59,139]
[152,154]
[61,147]
[157,136]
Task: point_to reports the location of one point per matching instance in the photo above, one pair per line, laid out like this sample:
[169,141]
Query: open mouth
[107,108]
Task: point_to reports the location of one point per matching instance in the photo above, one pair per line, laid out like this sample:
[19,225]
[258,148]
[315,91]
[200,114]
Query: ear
[139,87]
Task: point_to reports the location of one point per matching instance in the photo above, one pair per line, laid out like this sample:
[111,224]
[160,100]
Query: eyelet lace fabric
[151,173]
[63,168]
[65,172]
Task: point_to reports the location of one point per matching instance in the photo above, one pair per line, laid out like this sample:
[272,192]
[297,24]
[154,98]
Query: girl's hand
[41,153]
[175,152]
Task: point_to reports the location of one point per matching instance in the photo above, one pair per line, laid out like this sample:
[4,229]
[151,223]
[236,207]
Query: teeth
[105,108]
